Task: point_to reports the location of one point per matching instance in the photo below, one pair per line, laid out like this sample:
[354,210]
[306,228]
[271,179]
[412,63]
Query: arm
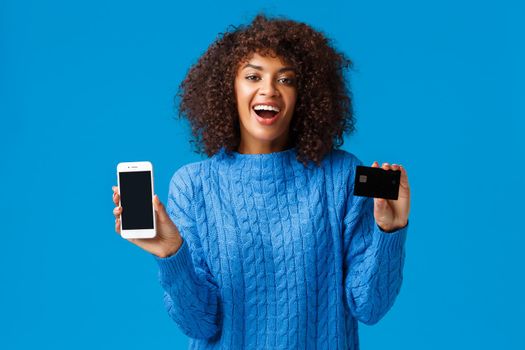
[191,294]
[373,261]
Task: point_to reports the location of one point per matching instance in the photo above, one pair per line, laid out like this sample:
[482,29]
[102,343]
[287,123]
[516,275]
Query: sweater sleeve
[373,260]
[190,290]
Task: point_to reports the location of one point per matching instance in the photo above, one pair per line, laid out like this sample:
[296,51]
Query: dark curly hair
[323,110]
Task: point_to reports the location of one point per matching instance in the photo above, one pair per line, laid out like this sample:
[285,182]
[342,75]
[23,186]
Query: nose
[268,89]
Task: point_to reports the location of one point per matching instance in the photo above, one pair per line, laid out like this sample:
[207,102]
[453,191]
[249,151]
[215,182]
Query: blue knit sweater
[277,255]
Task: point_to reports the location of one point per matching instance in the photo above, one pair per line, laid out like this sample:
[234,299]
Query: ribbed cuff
[176,267]
[392,242]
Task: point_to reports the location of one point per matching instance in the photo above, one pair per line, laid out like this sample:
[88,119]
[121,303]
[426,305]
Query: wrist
[391,228]
[170,248]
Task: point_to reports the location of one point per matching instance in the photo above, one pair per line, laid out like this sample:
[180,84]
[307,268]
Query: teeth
[266,108]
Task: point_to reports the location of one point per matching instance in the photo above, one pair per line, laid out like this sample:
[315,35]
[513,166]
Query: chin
[266,138]
[263,133]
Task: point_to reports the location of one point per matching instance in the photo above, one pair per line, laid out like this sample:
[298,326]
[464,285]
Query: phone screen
[136,200]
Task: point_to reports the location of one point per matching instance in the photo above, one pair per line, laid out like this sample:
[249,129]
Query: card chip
[362,178]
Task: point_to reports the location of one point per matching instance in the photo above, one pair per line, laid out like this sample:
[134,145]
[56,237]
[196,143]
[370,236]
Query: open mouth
[266,111]
[266,114]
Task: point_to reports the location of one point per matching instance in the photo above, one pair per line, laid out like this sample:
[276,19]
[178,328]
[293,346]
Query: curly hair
[323,111]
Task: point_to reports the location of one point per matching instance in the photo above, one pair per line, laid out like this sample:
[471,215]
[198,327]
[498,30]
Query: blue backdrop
[438,87]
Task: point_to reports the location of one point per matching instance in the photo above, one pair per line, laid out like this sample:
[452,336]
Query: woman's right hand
[168,239]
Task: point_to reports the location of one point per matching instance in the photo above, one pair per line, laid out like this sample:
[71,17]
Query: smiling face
[265,90]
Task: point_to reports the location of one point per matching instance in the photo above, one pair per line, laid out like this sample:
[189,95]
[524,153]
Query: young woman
[263,245]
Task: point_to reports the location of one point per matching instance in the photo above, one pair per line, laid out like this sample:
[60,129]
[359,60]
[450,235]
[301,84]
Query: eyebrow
[283,69]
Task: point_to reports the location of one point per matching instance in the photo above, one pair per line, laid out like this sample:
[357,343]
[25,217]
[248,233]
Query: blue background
[438,87]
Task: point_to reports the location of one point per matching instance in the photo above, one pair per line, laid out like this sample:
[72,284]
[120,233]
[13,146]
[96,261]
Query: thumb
[159,208]
[380,203]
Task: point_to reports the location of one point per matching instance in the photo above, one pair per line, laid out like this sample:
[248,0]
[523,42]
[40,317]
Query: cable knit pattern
[277,255]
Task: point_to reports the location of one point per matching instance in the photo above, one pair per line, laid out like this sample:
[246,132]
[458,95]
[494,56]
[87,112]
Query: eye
[252,77]
[286,81]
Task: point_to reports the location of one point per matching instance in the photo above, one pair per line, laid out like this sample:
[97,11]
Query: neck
[263,147]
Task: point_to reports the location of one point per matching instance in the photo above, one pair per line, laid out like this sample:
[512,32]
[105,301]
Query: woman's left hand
[392,214]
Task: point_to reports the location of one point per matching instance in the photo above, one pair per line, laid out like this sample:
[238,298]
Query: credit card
[376,182]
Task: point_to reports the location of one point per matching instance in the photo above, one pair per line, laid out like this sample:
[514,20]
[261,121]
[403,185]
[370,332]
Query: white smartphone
[135,186]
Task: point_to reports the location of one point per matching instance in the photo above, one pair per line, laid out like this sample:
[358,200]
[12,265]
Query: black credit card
[376,182]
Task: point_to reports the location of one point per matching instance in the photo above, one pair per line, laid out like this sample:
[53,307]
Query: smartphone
[376,182]
[135,186]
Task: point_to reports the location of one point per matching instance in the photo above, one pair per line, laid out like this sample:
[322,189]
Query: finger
[375,164]
[117,211]
[404,176]
[117,225]
[116,198]
[386,166]
[395,167]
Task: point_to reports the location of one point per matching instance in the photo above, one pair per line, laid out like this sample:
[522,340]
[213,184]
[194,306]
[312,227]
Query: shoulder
[340,166]
[189,176]
[339,158]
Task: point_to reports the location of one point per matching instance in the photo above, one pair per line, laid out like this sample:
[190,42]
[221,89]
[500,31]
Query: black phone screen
[136,200]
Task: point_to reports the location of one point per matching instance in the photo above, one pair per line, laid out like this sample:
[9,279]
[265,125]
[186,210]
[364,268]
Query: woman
[263,244]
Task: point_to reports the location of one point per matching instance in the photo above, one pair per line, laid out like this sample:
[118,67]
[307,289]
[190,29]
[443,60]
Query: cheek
[291,100]
[243,96]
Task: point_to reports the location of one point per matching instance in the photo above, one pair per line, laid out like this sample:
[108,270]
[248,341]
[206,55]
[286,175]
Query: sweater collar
[263,156]
[259,161]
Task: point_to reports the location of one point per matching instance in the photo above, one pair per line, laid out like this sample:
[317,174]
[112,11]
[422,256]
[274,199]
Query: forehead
[268,61]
